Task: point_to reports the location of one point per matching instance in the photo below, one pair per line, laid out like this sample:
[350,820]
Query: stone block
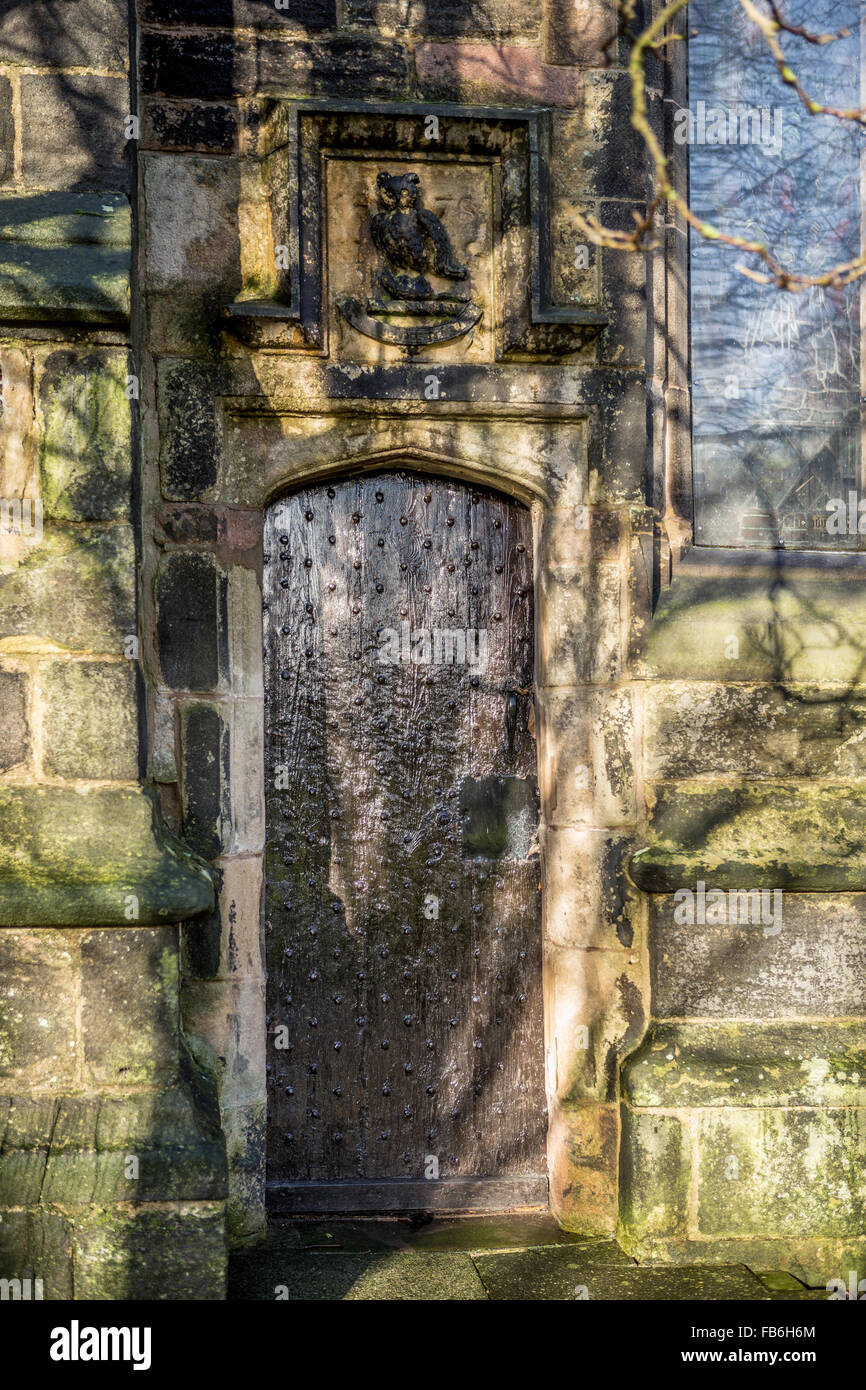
[580,33]
[21,1177]
[14,730]
[27,1122]
[468,19]
[187,620]
[696,728]
[176,1253]
[194,125]
[129,1006]
[148,1146]
[202,940]
[595,1015]
[205,739]
[245,633]
[616,158]
[39,984]
[65,257]
[580,640]
[77,590]
[228,942]
[565,1274]
[298,15]
[245,788]
[37,1244]
[192,210]
[225,1020]
[7,132]
[587,776]
[618,441]
[65,220]
[481,73]
[81,699]
[189,456]
[573,537]
[814,966]
[780,1064]
[86,446]
[782,1172]
[583,1146]
[73,131]
[589,901]
[77,34]
[17,436]
[187,523]
[733,835]
[245,1128]
[162,760]
[151,1173]
[786,623]
[58,866]
[214,67]
[654,1177]
[623,294]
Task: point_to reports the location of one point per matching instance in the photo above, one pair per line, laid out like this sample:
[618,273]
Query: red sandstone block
[477,72]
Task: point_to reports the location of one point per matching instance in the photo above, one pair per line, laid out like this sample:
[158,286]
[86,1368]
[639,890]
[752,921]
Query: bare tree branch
[651,39]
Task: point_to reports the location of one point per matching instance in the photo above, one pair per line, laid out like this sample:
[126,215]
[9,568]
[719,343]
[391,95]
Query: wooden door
[405,1037]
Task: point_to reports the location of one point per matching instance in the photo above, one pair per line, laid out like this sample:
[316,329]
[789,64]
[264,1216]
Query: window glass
[775,375]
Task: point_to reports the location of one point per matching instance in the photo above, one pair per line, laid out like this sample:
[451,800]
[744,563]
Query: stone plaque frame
[295,141]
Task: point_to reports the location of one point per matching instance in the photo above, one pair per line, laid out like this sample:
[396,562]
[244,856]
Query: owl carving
[411,240]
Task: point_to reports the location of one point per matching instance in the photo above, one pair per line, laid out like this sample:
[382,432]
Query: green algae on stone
[122,1252]
[778,622]
[747,1159]
[93,857]
[86,447]
[780,1063]
[755,835]
[76,589]
[81,700]
[654,1177]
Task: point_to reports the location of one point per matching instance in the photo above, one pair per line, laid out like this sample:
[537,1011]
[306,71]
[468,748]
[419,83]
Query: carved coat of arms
[404,308]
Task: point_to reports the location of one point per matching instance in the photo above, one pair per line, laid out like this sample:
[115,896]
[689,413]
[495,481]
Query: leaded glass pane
[775,375]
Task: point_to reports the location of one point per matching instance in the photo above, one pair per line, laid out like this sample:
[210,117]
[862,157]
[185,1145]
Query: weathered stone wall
[111,1158]
[669,753]
[744,1115]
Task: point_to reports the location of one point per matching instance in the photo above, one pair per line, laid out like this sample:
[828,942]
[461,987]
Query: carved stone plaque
[410,259]
[393,230]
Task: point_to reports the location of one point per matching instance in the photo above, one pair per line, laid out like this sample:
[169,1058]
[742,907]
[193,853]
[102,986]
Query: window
[775,376]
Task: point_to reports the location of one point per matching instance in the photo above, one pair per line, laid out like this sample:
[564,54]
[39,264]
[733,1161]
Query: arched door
[403,912]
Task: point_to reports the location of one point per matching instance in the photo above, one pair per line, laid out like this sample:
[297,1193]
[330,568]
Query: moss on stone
[86,449]
[756,835]
[95,857]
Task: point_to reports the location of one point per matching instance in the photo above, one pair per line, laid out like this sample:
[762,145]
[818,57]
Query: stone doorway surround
[276,437]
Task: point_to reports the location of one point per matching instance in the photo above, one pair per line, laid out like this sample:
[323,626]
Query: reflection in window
[775,375]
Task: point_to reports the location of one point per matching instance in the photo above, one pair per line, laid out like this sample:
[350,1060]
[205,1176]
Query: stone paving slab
[504,1258]
[521,1233]
[564,1274]
[395,1276]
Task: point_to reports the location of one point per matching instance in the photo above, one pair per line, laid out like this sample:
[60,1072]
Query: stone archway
[592,929]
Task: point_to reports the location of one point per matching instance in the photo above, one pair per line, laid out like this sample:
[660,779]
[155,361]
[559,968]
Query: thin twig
[643,237]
